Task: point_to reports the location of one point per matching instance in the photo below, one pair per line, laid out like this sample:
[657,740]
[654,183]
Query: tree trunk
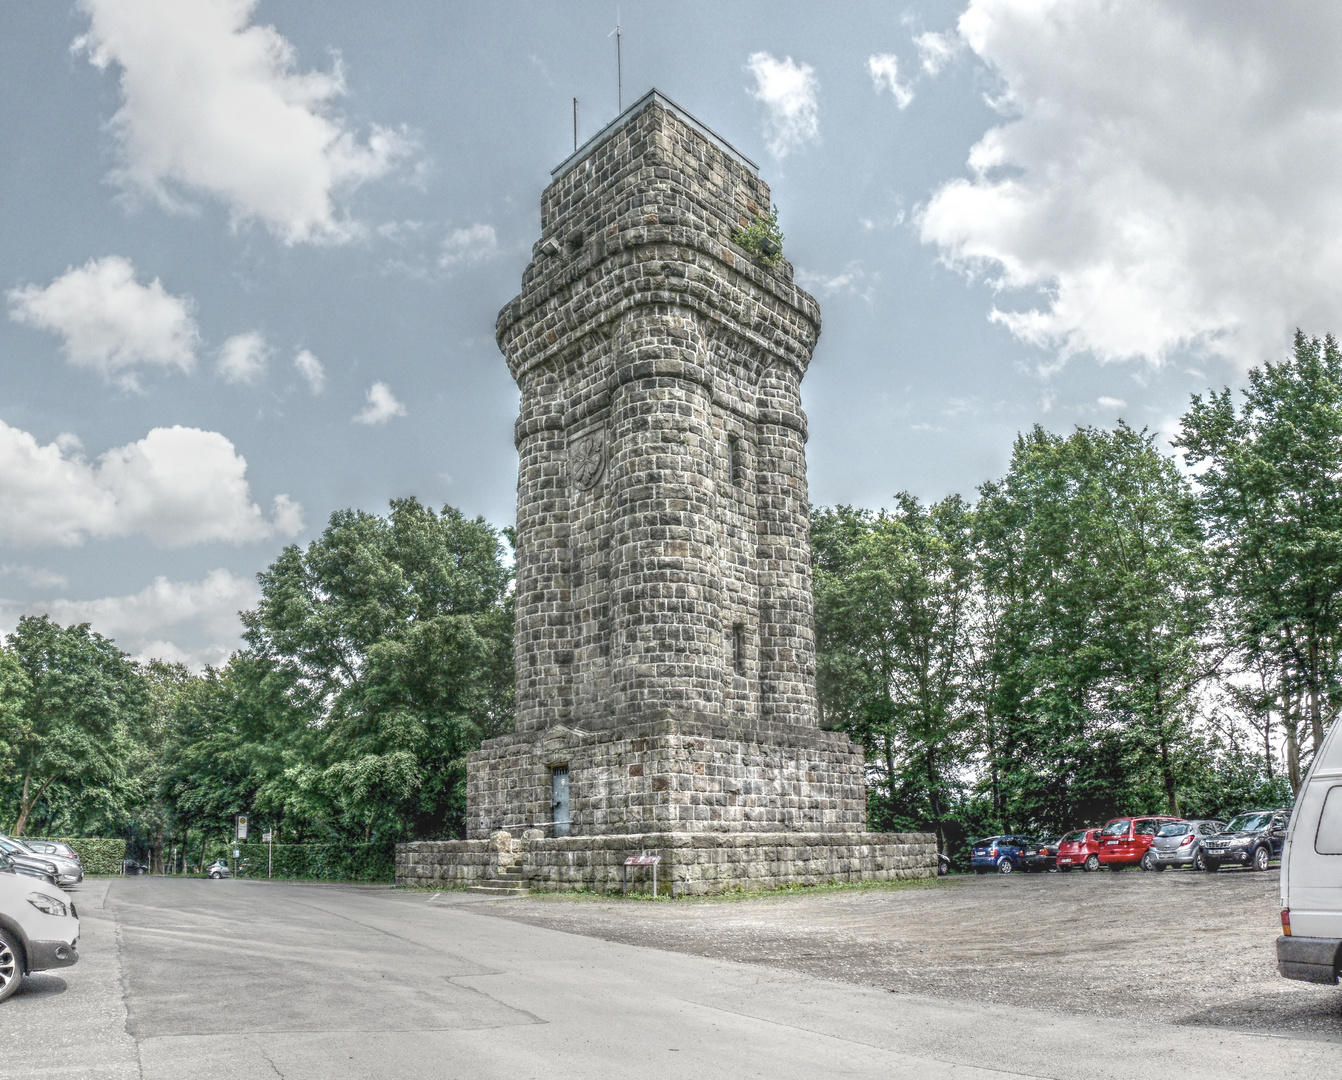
[27,806]
[1290,728]
[1315,710]
[1166,769]
[1167,776]
[890,769]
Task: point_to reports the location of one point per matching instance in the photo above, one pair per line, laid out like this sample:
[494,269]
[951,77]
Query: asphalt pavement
[182,979]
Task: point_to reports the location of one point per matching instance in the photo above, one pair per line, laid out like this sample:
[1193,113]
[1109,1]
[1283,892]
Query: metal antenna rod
[619,67]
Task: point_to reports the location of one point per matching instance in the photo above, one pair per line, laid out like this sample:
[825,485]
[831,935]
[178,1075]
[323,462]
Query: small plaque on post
[639,860]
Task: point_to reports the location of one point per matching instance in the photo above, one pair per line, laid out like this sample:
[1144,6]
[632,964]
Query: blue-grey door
[559,789]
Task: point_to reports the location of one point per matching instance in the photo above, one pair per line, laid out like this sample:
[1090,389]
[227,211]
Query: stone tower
[665,641]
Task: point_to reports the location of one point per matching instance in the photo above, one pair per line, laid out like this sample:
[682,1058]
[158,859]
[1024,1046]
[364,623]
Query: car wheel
[1210,866]
[1199,861]
[216,875]
[1055,868]
[11,966]
[1004,865]
[1092,864]
[1148,861]
[1261,857]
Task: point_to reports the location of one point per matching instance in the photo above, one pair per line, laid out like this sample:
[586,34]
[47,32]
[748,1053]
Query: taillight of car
[1286,921]
[1186,840]
[993,853]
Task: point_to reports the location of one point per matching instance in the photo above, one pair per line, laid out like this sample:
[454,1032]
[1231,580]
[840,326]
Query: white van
[1310,947]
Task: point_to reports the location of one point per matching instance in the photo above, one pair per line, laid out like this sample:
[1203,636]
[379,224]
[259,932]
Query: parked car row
[44,858]
[1153,842]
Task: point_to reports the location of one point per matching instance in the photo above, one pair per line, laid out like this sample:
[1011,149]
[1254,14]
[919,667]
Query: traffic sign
[267,837]
[242,826]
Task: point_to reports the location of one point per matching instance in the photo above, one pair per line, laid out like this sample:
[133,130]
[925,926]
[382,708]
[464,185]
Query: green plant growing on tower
[762,237]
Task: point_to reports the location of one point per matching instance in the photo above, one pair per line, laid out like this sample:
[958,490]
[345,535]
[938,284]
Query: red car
[1080,848]
[1126,840]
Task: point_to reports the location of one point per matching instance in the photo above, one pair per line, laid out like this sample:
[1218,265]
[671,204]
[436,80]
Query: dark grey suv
[1252,839]
[1181,843]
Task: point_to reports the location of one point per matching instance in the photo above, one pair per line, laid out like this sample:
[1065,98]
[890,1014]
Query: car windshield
[1249,822]
[1117,828]
[1175,828]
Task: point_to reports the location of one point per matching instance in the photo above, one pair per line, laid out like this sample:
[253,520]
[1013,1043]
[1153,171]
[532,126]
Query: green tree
[1096,604]
[82,701]
[894,610]
[393,636]
[1270,484]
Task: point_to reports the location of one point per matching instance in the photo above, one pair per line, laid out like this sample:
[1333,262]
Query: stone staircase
[507,881]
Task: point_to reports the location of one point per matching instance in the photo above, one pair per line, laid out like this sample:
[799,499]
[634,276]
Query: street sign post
[268,837]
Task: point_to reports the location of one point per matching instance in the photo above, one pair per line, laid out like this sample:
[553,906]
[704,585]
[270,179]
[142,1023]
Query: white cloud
[469,246]
[212,104]
[37,577]
[109,322]
[847,281]
[788,90]
[382,405]
[311,369]
[1111,403]
[1169,177]
[175,486]
[243,358]
[193,623]
[935,50]
[884,71]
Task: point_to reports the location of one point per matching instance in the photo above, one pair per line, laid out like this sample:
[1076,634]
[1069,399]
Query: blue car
[1004,854]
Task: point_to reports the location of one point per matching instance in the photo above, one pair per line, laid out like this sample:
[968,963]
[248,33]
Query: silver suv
[39,928]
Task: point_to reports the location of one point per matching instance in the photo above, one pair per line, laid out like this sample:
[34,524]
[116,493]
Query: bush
[98,854]
[323,862]
[762,237]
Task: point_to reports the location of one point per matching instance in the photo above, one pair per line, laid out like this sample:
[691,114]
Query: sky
[251,253]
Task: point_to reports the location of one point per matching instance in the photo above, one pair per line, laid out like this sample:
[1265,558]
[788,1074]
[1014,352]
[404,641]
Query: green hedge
[323,862]
[98,854]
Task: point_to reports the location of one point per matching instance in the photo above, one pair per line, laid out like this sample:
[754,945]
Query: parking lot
[182,979]
[1178,947]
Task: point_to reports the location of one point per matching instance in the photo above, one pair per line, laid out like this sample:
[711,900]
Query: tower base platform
[690,863]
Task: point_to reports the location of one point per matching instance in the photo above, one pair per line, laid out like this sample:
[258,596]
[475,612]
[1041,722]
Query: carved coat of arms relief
[587,459]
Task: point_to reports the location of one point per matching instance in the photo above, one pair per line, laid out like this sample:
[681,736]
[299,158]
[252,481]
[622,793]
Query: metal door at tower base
[559,799]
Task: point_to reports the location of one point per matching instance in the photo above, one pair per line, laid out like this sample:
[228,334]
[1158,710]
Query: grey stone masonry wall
[663,566]
[692,864]
[672,775]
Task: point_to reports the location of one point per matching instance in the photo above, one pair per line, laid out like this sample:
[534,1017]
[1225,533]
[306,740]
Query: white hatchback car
[38,931]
